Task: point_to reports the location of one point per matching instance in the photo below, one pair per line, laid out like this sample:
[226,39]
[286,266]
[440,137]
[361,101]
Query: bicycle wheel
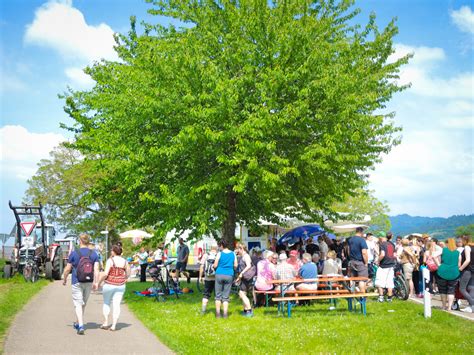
[400,290]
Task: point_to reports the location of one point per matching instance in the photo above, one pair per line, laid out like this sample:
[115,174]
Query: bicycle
[163,286]
[400,289]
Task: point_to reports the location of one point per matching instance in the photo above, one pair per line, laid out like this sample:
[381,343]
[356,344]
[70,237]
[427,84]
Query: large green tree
[66,184]
[248,111]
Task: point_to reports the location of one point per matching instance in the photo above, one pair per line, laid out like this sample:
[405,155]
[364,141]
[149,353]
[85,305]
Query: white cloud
[21,150]
[428,167]
[63,28]
[463,19]
[78,76]
[421,73]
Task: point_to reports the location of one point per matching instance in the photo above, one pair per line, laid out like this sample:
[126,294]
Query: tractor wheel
[7,271]
[58,264]
[48,270]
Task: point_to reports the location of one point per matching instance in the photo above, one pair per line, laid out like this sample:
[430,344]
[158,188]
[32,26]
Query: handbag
[430,263]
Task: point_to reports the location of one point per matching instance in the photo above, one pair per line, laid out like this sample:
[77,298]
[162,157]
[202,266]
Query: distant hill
[437,227]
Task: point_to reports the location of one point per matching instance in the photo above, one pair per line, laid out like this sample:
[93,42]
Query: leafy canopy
[248,111]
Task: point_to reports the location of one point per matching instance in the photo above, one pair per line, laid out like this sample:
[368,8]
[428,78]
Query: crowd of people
[375,257]
[450,263]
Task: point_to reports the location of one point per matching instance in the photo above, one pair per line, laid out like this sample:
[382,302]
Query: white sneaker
[467,309]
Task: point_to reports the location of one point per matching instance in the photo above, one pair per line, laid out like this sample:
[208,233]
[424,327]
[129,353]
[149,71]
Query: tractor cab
[35,251]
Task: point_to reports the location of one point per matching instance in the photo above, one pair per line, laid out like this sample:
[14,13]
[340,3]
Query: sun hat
[381,234]
[282,257]
[293,253]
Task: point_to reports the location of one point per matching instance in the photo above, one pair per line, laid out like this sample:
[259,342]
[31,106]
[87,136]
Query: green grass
[14,294]
[312,329]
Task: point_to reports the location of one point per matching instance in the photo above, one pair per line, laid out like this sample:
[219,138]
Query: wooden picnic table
[334,294]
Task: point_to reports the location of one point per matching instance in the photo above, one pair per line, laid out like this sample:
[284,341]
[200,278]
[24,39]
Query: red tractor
[35,251]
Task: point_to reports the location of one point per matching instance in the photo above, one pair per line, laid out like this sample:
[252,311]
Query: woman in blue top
[224,265]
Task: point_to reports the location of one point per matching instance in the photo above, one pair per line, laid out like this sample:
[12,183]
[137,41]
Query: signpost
[106,233]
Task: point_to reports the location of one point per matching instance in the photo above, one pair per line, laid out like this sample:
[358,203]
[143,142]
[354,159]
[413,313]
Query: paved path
[436,303]
[44,326]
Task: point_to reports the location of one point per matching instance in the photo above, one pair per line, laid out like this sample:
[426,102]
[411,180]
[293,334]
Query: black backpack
[85,268]
[209,265]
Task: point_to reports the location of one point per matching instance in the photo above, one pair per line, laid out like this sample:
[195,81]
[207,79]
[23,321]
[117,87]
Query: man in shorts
[358,257]
[81,290]
[385,272]
[182,262]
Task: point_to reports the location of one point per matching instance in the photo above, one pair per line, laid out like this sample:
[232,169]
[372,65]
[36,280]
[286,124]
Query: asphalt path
[44,326]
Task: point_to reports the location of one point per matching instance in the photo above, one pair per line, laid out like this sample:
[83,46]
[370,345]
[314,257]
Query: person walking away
[182,262]
[116,274]
[385,272]
[308,271]
[84,265]
[467,273]
[311,248]
[448,273]
[358,257]
[247,272]
[225,264]
[207,275]
[408,261]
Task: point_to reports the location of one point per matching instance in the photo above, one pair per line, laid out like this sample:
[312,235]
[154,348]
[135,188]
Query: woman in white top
[330,264]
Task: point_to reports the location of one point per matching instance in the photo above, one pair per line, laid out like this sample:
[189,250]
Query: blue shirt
[308,271]
[74,261]
[356,244]
[226,264]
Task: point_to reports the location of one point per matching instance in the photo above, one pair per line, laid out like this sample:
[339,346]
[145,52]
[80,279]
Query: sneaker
[389,299]
[75,325]
[381,299]
[80,330]
[467,309]
[218,315]
[420,295]
[248,314]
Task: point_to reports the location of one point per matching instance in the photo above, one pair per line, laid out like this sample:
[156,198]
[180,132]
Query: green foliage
[249,111]
[364,203]
[66,185]
[14,294]
[311,329]
[465,230]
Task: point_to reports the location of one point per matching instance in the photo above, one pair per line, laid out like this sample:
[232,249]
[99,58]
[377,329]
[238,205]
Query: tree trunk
[228,229]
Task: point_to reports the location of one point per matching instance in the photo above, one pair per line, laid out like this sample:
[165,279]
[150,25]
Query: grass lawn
[398,327]
[14,294]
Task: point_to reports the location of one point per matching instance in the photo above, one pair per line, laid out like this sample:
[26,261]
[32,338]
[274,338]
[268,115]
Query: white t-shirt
[158,255]
[371,250]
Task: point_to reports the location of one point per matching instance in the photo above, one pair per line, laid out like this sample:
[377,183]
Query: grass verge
[398,328]
[14,294]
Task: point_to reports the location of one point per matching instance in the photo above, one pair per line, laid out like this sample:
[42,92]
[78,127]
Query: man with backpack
[84,264]
[387,262]
[208,275]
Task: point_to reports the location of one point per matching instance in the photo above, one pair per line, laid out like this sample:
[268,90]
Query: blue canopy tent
[304,232]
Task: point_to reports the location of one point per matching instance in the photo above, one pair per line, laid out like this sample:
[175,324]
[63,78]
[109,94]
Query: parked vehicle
[35,251]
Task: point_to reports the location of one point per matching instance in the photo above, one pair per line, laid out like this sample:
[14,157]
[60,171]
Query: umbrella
[331,236]
[304,232]
[135,233]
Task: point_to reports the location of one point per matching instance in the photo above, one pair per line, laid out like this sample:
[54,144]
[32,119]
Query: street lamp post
[106,232]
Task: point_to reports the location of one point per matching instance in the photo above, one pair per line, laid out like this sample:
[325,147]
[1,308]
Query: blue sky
[45,45]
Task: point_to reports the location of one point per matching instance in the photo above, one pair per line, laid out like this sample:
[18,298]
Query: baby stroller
[163,284]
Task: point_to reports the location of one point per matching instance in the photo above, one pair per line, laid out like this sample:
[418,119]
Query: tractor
[35,251]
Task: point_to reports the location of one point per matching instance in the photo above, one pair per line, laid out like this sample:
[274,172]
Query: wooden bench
[321,287]
[336,294]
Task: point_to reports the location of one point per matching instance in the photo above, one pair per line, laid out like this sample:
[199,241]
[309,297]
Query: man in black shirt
[385,272]
[311,248]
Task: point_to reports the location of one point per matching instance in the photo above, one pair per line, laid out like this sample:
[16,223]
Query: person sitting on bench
[308,271]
